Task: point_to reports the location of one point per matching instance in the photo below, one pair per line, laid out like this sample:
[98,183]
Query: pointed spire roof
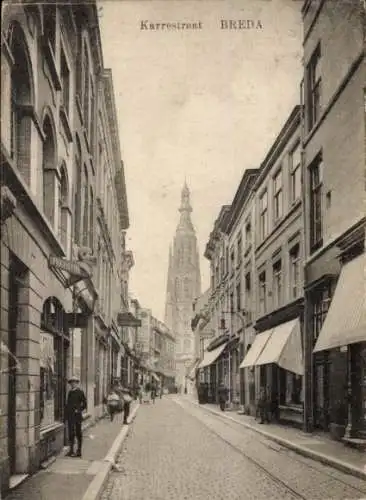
[185,205]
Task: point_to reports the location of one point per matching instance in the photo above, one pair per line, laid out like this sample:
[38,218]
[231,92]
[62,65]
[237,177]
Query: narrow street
[178,451]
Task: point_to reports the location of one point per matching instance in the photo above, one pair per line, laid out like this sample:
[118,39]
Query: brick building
[334,204]
[53,87]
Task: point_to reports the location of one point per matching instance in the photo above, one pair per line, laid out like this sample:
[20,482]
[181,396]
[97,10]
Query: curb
[319,457]
[95,488]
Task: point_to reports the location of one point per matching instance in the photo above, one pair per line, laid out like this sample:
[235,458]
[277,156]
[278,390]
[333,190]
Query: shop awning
[345,322]
[211,356]
[254,352]
[284,348]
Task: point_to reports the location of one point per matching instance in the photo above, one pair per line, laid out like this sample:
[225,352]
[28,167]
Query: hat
[74,378]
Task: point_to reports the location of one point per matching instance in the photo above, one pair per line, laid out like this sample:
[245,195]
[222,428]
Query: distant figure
[127,400]
[153,392]
[263,406]
[114,402]
[75,405]
[223,392]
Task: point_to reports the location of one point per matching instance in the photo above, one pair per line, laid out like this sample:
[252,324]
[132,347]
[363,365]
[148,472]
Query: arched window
[49,171]
[21,95]
[85,207]
[62,212]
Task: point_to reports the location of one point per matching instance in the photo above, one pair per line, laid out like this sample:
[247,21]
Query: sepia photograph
[183,250]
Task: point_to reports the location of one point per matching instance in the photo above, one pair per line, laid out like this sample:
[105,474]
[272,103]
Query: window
[85,208]
[222,266]
[316,208]
[295,174]
[62,207]
[65,83]
[239,249]
[77,193]
[226,260]
[291,388]
[91,116]
[21,94]
[263,214]
[238,296]
[314,88]
[295,271]
[86,87]
[49,21]
[248,234]
[277,283]
[232,260]
[248,298]
[231,304]
[262,292]
[278,196]
[49,171]
[321,300]
[91,219]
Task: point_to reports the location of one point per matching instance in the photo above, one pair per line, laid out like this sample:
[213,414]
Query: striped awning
[345,322]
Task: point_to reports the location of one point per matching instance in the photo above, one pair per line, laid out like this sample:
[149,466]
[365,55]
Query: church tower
[183,287]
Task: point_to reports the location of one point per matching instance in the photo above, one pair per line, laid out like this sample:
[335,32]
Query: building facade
[53,87]
[276,353]
[334,205]
[183,286]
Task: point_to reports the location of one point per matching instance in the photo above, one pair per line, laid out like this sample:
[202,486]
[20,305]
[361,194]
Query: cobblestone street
[178,451]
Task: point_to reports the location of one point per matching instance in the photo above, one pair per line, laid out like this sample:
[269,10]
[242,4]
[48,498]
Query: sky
[198,104]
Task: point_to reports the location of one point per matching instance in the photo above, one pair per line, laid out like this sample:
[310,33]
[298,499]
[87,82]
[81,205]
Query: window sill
[48,429]
[292,407]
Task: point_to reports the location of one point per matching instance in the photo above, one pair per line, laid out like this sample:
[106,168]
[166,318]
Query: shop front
[214,370]
[342,340]
[54,360]
[277,356]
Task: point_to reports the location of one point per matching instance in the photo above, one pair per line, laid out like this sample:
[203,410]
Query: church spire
[185,205]
[185,209]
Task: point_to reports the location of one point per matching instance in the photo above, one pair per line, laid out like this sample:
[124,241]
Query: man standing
[222,396]
[75,405]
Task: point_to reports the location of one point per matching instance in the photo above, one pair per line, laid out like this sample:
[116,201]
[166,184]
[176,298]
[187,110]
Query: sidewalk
[74,478]
[317,446]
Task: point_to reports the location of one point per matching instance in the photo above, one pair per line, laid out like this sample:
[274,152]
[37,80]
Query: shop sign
[128,319]
[74,268]
[77,320]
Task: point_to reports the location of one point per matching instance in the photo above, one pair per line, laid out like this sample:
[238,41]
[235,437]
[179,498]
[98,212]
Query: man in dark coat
[223,393]
[75,405]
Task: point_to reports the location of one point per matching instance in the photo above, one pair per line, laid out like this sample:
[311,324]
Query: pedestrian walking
[75,405]
[127,400]
[222,396]
[114,402]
